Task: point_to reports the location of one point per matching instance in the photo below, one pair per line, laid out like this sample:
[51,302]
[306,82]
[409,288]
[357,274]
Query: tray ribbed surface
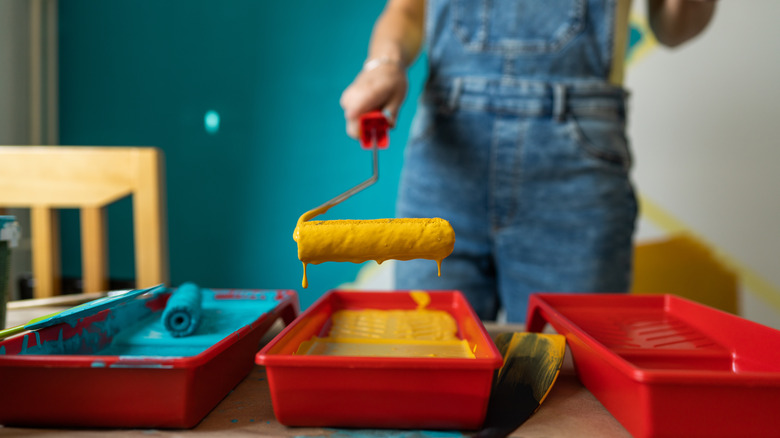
[641,329]
[652,338]
[393,324]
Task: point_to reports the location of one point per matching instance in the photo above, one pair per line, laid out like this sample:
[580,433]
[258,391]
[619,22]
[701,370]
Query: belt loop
[559,102]
[457,86]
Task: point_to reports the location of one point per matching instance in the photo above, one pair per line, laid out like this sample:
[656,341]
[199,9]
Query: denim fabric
[519,141]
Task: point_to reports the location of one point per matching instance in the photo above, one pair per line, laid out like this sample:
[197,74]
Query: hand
[379,86]
[676,21]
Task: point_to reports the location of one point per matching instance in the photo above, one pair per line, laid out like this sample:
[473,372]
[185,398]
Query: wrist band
[373,63]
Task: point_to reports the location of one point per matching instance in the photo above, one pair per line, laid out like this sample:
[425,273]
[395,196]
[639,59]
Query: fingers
[383,88]
[363,96]
[358,99]
[353,128]
[393,105]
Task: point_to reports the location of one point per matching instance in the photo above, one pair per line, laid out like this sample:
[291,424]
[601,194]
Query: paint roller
[183,310]
[358,241]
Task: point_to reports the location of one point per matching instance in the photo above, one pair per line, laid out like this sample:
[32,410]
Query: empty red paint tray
[116,366]
[380,392]
[665,366]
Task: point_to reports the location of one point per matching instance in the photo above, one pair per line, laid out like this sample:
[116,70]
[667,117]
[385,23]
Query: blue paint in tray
[134,328]
[219,319]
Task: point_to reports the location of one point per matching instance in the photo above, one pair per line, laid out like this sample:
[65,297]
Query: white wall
[14,72]
[703,124]
[15,105]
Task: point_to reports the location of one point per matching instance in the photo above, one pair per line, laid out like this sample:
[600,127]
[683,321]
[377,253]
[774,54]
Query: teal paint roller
[183,311]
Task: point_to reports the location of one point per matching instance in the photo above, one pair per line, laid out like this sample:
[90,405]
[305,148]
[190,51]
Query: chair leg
[46,251]
[150,221]
[94,254]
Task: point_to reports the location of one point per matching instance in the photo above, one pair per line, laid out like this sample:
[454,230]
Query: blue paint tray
[113,364]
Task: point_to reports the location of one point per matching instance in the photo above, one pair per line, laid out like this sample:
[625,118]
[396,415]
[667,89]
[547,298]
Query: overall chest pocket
[517,26]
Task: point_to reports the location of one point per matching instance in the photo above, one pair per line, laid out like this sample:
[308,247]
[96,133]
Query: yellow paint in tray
[391,333]
[385,348]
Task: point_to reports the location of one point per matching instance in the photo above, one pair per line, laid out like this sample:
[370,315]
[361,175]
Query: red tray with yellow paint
[377,392]
[666,366]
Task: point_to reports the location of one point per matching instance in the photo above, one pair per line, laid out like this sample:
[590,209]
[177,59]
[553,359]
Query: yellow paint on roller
[358,241]
[391,333]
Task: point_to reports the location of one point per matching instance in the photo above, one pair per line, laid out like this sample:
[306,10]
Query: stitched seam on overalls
[494,221]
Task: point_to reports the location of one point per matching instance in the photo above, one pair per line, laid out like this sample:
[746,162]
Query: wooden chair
[47,178]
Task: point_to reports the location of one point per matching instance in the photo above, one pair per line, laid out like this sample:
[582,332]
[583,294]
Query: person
[519,139]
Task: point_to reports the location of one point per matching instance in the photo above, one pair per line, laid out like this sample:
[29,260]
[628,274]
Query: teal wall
[146,73]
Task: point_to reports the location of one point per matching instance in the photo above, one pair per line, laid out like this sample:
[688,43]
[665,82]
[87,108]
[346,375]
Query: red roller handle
[373,128]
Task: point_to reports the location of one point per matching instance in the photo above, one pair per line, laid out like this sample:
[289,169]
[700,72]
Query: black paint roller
[183,311]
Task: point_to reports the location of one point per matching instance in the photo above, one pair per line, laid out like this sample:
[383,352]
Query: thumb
[393,107]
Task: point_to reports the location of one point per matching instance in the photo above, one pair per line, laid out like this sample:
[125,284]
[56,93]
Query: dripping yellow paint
[358,241]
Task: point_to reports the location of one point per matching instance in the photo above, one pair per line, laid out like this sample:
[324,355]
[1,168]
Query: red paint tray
[380,392]
[666,366]
[114,367]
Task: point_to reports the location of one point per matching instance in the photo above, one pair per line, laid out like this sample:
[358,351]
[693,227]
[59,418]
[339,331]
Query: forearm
[676,21]
[398,32]
[382,83]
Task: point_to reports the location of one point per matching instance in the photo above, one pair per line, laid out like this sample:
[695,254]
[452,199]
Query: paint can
[9,238]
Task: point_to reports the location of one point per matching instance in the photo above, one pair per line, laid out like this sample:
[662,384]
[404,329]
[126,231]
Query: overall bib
[519,141]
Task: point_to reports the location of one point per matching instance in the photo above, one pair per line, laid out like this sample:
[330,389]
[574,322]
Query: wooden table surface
[570,410]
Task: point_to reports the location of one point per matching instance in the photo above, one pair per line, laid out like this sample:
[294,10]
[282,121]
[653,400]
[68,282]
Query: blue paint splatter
[133,362]
[211,121]
[135,333]
[634,36]
[234,421]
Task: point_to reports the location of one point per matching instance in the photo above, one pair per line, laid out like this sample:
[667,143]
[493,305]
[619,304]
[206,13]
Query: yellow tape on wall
[753,282]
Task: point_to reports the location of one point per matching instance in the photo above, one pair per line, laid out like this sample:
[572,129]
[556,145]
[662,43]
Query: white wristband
[382,60]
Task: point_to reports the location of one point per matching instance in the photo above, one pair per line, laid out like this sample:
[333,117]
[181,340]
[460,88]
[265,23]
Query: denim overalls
[519,141]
